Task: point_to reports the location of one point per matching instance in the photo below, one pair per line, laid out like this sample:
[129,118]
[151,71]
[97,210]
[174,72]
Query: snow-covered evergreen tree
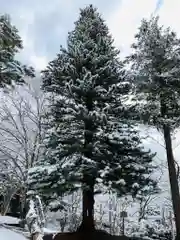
[155,67]
[155,70]
[11,70]
[90,139]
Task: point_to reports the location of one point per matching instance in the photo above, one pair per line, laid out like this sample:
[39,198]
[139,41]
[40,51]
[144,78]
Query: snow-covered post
[33,220]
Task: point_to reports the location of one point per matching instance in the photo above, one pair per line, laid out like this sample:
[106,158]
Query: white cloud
[170,15]
[26,18]
[39,62]
[123,23]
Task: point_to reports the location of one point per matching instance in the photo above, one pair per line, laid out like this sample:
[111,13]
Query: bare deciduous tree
[21,136]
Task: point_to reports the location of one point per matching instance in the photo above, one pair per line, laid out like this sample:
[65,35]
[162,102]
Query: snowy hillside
[7,234]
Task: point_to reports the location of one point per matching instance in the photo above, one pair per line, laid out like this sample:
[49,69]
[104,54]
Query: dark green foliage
[155,67]
[11,70]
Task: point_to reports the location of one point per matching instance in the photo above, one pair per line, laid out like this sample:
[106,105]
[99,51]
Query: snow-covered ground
[9,220]
[6,234]
[12,233]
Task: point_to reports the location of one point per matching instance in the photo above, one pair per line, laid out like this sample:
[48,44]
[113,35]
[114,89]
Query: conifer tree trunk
[172,172]
[88,208]
[88,180]
[173,179]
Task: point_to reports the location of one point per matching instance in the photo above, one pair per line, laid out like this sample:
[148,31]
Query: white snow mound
[9,220]
[6,234]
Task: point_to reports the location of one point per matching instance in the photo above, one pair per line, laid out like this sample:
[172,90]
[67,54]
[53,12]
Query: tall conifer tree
[156,68]
[90,139]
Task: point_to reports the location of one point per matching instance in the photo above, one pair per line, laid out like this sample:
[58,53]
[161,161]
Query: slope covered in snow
[6,234]
[9,220]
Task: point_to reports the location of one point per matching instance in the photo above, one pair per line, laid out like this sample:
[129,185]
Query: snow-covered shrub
[35,217]
[151,230]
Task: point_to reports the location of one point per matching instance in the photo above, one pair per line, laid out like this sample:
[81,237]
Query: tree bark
[172,169]
[88,178]
[173,179]
[88,207]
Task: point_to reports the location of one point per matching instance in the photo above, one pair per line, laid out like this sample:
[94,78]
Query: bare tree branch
[21,133]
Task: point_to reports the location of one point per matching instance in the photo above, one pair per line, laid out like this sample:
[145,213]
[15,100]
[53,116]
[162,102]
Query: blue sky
[159,4]
[43,24]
